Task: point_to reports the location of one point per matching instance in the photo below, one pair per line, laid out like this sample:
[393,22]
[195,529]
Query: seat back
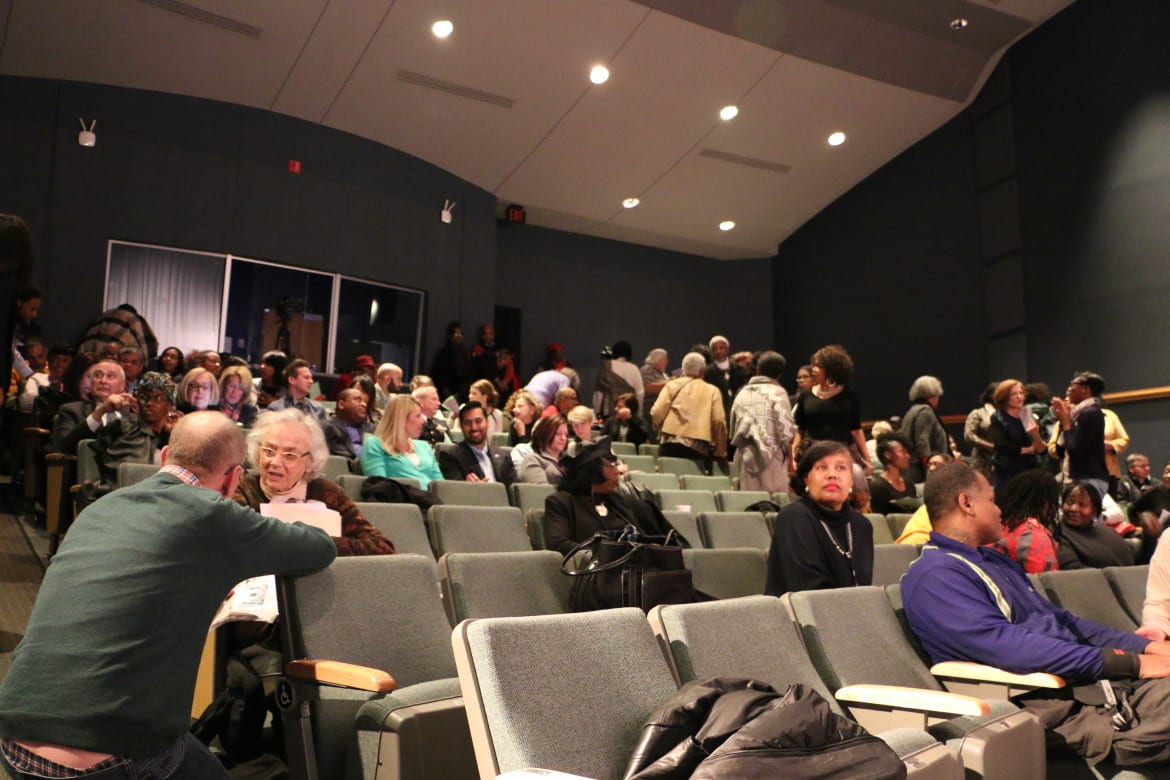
[897,522]
[351,484]
[623,448]
[528,497]
[534,525]
[476,529]
[702,482]
[601,674]
[783,498]
[647,448]
[640,462]
[402,524]
[881,528]
[335,466]
[685,524]
[734,529]
[680,466]
[459,493]
[652,481]
[728,573]
[87,462]
[505,584]
[890,562]
[854,637]
[1086,593]
[1129,587]
[133,473]
[686,500]
[739,500]
[498,439]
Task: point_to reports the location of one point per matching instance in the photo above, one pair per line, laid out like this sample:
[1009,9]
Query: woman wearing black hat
[586,501]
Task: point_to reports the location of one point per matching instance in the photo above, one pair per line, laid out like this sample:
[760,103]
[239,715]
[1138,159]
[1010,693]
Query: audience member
[289,451]
[395,449]
[124,712]
[211,360]
[389,382]
[617,376]
[689,416]
[830,411]
[44,393]
[977,430]
[554,359]
[364,385]
[625,424]
[363,365]
[546,384]
[893,485]
[917,528]
[104,401]
[484,363]
[508,381]
[1014,432]
[434,430]
[345,430]
[270,383]
[820,541]
[132,361]
[654,378]
[564,402]
[525,411]
[35,357]
[1084,542]
[170,362]
[804,382]
[762,428]
[922,427]
[473,459]
[1029,504]
[27,302]
[298,380]
[967,601]
[542,464]
[449,369]
[1136,481]
[1116,440]
[235,395]
[723,372]
[198,391]
[483,392]
[581,419]
[1081,434]
[121,326]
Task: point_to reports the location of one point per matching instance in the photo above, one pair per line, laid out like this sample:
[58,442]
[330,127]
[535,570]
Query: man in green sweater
[102,681]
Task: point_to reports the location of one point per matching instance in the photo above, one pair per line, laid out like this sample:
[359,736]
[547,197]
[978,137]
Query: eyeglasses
[286,456]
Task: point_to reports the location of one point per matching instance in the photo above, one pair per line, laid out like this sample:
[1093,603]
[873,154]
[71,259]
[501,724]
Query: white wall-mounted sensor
[445,214]
[86,137]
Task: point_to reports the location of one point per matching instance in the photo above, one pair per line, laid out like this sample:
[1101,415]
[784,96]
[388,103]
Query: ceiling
[505,101]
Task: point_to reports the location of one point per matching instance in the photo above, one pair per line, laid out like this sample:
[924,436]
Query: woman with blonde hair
[198,391]
[525,410]
[484,391]
[235,395]
[395,449]
[580,419]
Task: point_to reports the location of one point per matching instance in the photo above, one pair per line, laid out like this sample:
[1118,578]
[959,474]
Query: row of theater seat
[569,691]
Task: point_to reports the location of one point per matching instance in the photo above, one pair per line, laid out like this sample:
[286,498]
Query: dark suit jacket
[456,461]
[69,426]
[337,437]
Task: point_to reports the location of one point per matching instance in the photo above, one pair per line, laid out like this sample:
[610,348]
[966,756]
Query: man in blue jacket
[969,602]
[101,683]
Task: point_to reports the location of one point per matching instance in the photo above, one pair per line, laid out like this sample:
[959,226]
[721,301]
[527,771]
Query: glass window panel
[276,307]
[378,320]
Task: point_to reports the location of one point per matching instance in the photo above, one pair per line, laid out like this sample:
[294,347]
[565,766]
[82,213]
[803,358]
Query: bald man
[104,674]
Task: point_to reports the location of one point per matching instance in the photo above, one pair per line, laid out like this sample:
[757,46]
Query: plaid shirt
[24,760]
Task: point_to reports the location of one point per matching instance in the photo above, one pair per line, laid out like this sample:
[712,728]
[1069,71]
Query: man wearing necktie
[472,460]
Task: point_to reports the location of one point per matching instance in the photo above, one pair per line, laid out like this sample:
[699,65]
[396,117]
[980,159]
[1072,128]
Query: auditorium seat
[1086,593]
[734,529]
[685,524]
[459,493]
[383,612]
[534,525]
[881,529]
[686,500]
[897,522]
[1129,587]
[623,448]
[132,473]
[503,584]
[739,500]
[727,573]
[755,637]
[335,466]
[648,449]
[679,466]
[402,524]
[526,497]
[454,528]
[890,562]
[640,463]
[567,693]
[352,484]
[710,484]
[652,481]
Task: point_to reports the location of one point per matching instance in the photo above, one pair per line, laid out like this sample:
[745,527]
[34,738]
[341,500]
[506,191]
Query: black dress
[814,548]
[882,494]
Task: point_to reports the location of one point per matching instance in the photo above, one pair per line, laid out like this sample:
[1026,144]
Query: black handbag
[627,569]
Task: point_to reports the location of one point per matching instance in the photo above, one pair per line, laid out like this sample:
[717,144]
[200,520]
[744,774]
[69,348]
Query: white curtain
[179,293]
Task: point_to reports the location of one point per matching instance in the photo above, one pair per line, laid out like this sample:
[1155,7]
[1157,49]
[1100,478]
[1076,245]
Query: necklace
[847,554]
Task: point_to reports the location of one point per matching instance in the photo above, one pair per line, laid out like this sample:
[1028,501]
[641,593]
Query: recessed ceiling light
[599,74]
[726,225]
[958,23]
[442,28]
[837,138]
[728,112]
[630,202]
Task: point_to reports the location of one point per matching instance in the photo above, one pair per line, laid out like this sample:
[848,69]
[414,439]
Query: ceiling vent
[207,17]
[458,90]
[750,162]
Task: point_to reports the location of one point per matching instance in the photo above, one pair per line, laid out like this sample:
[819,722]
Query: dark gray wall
[588,292]
[1029,236]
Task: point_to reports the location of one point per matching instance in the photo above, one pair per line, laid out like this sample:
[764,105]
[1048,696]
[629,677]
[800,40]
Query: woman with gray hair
[654,378]
[922,427]
[689,416]
[288,450]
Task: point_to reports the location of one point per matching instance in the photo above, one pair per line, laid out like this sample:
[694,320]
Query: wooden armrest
[364,678]
[60,457]
[967,670]
[896,697]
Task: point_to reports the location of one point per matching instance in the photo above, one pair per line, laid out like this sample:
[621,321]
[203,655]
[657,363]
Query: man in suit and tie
[345,429]
[472,460]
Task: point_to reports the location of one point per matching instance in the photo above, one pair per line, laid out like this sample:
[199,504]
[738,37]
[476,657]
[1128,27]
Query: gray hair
[318,449]
[716,339]
[1134,457]
[653,355]
[925,387]
[693,364]
[574,377]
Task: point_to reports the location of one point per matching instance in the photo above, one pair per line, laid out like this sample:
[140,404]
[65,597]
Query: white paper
[314,513]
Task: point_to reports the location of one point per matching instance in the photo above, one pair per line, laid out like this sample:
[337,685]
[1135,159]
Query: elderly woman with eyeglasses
[288,450]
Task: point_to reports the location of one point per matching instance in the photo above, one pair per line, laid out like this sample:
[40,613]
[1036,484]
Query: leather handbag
[627,569]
